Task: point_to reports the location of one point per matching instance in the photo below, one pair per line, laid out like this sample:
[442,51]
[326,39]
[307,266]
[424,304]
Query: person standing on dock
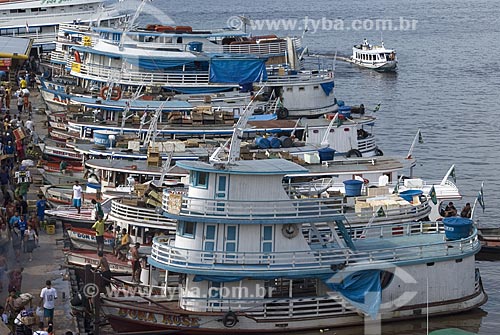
[136,263]
[98,209]
[48,295]
[40,208]
[103,267]
[99,233]
[77,196]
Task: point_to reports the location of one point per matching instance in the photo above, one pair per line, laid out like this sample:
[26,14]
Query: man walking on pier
[48,295]
[77,196]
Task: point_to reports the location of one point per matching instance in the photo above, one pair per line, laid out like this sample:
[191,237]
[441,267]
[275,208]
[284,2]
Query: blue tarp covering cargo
[362,289]
[158,63]
[237,70]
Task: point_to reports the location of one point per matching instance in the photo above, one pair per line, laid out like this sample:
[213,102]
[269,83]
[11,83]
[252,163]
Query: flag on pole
[381,212]
[420,138]
[396,188]
[480,198]
[452,175]
[432,195]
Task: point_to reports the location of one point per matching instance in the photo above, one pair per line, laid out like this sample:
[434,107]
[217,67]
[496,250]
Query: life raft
[116,93]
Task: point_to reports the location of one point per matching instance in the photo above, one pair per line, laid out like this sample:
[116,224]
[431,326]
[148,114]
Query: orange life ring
[78,59]
[116,93]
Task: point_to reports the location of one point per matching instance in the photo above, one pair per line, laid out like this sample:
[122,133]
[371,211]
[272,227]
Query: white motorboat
[375,57]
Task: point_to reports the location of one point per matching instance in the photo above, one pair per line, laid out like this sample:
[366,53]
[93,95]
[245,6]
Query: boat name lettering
[65,153]
[53,2]
[89,237]
[170,320]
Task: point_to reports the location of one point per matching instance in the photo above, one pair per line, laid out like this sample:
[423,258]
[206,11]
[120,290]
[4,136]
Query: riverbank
[48,258]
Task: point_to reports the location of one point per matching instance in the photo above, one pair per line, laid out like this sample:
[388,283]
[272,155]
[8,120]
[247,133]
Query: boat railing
[137,214]
[449,189]
[59,57]
[323,258]
[367,144]
[305,77]
[305,209]
[270,308]
[99,72]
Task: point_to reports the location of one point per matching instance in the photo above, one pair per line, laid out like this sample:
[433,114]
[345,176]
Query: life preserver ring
[78,59]
[354,152]
[116,93]
[378,152]
[282,113]
[230,319]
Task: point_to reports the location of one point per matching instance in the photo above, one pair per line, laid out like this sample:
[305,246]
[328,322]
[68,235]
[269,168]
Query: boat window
[382,56]
[186,229]
[199,179]
[289,89]
[316,87]
[302,88]
[230,240]
[267,238]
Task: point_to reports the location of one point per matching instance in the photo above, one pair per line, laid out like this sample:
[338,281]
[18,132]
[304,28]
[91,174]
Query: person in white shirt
[48,295]
[77,196]
[30,125]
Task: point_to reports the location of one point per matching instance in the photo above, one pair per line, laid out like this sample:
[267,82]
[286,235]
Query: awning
[14,47]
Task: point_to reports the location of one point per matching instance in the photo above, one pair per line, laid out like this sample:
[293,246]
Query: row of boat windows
[16,31]
[302,88]
[37,10]
[370,57]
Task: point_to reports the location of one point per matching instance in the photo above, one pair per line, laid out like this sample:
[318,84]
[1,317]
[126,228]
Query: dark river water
[447,84]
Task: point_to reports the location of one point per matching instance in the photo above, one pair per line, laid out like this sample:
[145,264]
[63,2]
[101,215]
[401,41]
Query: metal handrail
[138,214]
[322,258]
[251,210]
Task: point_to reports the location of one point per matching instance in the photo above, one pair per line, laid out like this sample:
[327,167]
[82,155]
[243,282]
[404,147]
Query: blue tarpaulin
[328,87]
[237,70]
[362,289]
[157,63]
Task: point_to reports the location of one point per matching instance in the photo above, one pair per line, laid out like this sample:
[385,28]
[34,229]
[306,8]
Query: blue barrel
[286,142]
[326,154]
[456,228]
[102,137]
[345,111]
[409,194]
[262,143]
[195,46]
[353,188]
[275,142]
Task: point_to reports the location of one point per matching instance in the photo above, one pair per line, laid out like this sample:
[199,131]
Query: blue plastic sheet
[327,87]
[157,63]
[362,289]
[237,70]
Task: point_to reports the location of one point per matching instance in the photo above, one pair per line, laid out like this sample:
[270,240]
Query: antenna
[239,127]
[417,136]
[325,142]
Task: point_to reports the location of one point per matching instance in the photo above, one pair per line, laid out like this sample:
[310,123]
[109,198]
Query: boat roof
[121,104]
[253,167]
[223,32]
[133,167]
[13,47]
[342,165]
[92,149]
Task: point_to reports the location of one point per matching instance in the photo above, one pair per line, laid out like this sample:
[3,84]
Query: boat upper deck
[401,244]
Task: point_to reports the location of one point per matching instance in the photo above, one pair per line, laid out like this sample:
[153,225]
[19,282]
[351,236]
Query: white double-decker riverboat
[39,19]
[253,259]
